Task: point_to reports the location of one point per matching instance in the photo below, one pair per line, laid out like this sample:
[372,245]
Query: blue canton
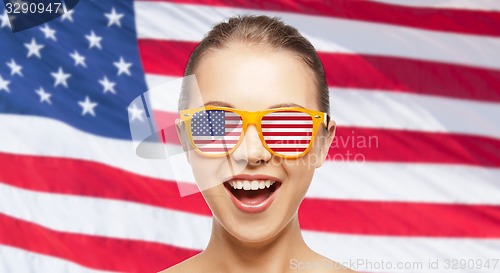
[82,68]
[208,123]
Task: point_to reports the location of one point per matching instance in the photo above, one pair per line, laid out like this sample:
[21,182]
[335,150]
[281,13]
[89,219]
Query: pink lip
[253,208]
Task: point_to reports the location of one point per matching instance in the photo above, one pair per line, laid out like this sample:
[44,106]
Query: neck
[228,254]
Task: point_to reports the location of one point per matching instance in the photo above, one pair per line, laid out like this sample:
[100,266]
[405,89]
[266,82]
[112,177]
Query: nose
[251,149]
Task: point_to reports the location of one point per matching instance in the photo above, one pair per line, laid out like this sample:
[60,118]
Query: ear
[182,135]
[325,142]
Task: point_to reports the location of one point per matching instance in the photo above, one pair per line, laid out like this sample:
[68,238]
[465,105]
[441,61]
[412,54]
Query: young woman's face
[253,79]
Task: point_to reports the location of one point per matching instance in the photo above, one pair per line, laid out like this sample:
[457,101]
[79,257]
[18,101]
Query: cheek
[206,171]
[212,171]
[303,166]
[300,172]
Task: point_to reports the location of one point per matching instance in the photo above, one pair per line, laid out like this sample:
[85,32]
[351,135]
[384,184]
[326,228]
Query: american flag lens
[216,132]
[287,133]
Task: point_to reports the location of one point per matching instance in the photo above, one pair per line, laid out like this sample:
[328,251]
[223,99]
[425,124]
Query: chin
[255,233]
[252,228]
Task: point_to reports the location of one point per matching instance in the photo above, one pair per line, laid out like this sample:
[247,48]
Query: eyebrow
[219,103]
[286,105]
[225,104]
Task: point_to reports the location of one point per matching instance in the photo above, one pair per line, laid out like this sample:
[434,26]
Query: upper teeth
[249,185]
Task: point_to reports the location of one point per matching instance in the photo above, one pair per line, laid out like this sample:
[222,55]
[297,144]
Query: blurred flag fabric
[413,175]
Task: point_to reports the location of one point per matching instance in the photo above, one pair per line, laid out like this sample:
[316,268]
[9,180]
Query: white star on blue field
[82,68]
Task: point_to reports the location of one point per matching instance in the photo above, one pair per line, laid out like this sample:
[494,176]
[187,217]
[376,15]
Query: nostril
[259,162]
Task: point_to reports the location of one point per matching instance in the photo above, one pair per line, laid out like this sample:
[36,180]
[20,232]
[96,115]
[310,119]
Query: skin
[255,78]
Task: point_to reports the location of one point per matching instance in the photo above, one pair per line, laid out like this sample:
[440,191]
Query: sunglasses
[285,132]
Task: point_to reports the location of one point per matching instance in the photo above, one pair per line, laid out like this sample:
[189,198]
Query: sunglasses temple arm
[326,120]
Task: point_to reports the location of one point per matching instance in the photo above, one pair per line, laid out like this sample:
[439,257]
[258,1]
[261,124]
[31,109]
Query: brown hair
[260,30]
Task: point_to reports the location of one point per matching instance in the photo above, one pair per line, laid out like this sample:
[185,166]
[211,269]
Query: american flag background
[413,175]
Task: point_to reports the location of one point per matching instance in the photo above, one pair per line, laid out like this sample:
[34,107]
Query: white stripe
[55,138]
[159,96]
[14,260]
[222,145]
[456,182]
[104,217]
[119,219]
[216,139]
[435,183]
[284,138]
[155,20]
[277,122]
[479,5]
[288,145]
[354,179]
[394,249]
[288,153]
[233,130]
[229,121]
[155,80]
[279,130]
[289,114]
[395,110]
[215,146]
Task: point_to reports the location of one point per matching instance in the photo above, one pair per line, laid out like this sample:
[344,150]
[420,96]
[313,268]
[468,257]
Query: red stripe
[274,125]
[288,141]
[97,252]
[386,145]
[411,76]
[232,134]
[358,71]
[215,150]
[360,144]
[164,57]
[355,144]
[85,178]
[440,19]
[164,119]
[222,142]
[276,117]
[383,145]
[224,149]
[400,218]
[288,150]
[352,143]
[305,133]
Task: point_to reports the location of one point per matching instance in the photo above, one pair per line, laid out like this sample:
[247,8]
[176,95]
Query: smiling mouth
[252,195]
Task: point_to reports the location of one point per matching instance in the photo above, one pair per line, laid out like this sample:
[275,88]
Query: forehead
[254,78]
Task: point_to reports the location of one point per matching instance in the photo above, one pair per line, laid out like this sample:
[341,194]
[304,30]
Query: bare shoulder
[323,264]
[190,265]
[330,266]
[340,268]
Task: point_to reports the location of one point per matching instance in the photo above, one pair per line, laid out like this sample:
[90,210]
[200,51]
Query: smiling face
[254,78]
